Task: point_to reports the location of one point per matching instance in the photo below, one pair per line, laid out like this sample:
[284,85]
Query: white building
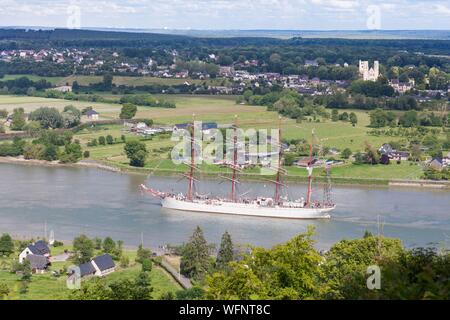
[39,248]
[369,74]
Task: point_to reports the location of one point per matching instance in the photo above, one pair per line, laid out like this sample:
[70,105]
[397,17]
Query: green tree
[287,271]
[128,111]
[124,261]
[345,266]
[34,151]
[417,274]
[142,254]
[50,153]
[72,153]
[377,118]
[83,248]
[94,289]
[71,116]
[372,154]
[48,117]
[137,152]
[142,287]
[346,153]
[146,265]
[334,115]
[33,128]
[18,119]
[97,243]
[101,140]
[4,290]
[6,245]
[109,139]
[289,159]
[26,270]
[109,245]
[225,254]
[195,259]
[409,119]
[353,119]
[107,82]
[194,293]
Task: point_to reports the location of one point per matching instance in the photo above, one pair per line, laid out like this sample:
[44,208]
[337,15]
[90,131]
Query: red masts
[190,174]
[278,182]
[234,166]
[309,168]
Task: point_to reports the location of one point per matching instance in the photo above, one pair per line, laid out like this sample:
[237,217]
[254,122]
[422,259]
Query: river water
[71,201]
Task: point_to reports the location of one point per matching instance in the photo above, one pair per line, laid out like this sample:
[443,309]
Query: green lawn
[222,110]
[53,80]
[118,80]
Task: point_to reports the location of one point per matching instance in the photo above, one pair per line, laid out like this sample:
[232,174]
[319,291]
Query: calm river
[71,201]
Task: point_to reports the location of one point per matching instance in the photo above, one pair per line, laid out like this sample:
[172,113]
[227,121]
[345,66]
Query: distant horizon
[216,29]
[307,15]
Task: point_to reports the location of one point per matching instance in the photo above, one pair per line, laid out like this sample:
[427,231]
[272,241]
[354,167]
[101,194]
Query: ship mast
[234,166]
[278,182]
[310,170]
[190,175]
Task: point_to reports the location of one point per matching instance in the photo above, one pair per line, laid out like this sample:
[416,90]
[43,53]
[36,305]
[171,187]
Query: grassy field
[47,287]
[222,109]
[118,80]
[53,80]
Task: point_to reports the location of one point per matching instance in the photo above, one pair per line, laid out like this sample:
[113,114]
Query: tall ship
[278,206]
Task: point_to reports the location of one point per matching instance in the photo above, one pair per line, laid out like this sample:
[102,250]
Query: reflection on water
[99,203]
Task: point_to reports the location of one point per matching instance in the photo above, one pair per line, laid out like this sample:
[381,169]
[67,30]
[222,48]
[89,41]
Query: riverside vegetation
[292,270]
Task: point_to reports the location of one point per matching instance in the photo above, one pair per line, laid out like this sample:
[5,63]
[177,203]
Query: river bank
[119,168]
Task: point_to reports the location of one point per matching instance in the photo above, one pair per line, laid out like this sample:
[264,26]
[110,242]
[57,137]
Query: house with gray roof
[38,263]
[103,265]
[39,248]
[99,266]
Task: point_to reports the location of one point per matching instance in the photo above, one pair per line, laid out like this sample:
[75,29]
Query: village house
[226,71]
[38,248]
[103,265]
[38,264]
[402,87]
[92,115]
[99,266]
[436,164]
[305,162]
[392,154]
[311,63]
[63,89]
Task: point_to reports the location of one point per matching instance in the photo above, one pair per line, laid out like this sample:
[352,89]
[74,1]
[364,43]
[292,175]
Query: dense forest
[291,51]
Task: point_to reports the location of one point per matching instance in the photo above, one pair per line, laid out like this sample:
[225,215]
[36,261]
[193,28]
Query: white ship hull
[245,209]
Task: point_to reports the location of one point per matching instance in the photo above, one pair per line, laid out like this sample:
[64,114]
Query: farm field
[222,110]
[118,80]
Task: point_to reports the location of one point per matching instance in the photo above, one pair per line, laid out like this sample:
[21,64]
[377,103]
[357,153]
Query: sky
[229,14]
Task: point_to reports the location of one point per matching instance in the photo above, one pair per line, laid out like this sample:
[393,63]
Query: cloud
[229,14]
[443,9]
